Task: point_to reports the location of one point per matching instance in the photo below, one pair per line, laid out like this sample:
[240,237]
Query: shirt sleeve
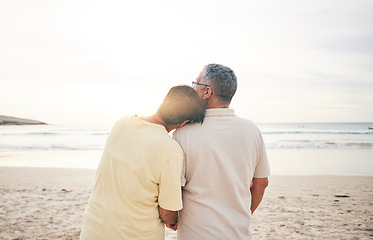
[169,197]
[262,169]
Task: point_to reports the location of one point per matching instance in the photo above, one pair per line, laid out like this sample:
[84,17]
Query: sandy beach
[48,203]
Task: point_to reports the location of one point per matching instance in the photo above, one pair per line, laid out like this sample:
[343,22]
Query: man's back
[222,156]
[140,169]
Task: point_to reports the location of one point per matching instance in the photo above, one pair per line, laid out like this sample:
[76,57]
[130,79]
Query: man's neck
[216,105]
[211,107]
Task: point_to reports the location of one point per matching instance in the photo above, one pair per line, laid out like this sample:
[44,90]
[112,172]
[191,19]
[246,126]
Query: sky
[91,62]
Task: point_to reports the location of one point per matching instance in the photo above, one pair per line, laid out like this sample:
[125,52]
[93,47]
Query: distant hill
[6,120]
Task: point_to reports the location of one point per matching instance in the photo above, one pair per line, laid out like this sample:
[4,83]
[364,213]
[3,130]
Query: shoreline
[316,162]
[48,203]
[287,162]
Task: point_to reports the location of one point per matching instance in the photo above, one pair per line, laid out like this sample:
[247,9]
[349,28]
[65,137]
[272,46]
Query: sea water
[293,148]
[275,135]
[318,135]
[53,137]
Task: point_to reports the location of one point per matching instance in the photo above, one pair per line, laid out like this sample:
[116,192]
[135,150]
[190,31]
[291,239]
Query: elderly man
[138,180]
[226,167]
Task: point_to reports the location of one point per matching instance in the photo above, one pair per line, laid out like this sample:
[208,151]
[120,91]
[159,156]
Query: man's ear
[208,93]
[182,124]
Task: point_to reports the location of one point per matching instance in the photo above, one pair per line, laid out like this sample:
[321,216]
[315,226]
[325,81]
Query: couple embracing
[205,182]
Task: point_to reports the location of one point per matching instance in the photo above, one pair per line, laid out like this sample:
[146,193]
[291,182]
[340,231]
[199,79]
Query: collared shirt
[140,169]
[222,156]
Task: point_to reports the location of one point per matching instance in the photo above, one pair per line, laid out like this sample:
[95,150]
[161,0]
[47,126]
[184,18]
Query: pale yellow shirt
[222,156]
[140,169]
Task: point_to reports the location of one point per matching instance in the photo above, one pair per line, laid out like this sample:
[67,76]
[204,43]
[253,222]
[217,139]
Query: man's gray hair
[222,79]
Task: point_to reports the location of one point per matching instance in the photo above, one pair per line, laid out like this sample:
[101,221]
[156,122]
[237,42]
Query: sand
[48,203]
[316,207]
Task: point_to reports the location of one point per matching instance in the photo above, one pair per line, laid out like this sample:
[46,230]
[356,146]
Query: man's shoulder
[187,128]
[208,123]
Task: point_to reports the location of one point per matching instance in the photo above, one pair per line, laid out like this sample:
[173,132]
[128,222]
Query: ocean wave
[47,147]
[319,132]
[276,136]
[325,145]
[269,145]
[55,134]
[72,133]
[43,133]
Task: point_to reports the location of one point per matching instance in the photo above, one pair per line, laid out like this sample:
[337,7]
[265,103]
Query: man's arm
[168,217]
[257,188]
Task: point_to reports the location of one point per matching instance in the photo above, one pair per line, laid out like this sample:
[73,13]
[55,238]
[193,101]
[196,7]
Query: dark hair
[222,79]
[180,104]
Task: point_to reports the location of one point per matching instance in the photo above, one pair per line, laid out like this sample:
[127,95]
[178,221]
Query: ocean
[344,149]
[318,135]
[275,135]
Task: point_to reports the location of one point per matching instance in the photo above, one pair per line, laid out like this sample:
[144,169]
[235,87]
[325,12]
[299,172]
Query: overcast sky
[94,61]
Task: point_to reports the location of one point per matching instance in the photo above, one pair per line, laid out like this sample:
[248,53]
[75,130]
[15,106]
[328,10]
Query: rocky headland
[7,120]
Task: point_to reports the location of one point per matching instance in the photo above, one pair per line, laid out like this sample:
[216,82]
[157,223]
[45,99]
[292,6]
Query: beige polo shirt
[222,156]
[140,169]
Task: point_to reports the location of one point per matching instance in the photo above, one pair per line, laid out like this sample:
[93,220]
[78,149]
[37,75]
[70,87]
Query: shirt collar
[219,112]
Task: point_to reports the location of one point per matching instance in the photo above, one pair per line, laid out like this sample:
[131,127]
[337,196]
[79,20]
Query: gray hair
[222,79]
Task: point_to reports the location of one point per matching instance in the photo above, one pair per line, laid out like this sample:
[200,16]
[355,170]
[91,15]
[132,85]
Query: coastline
[8,120]
[334,162]
[48,203]
[289,162]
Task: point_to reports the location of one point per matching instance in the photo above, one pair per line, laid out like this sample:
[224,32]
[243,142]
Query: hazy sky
[94,61]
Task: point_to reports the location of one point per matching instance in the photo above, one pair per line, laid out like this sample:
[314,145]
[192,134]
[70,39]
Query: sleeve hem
[175,209]
[262,176]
